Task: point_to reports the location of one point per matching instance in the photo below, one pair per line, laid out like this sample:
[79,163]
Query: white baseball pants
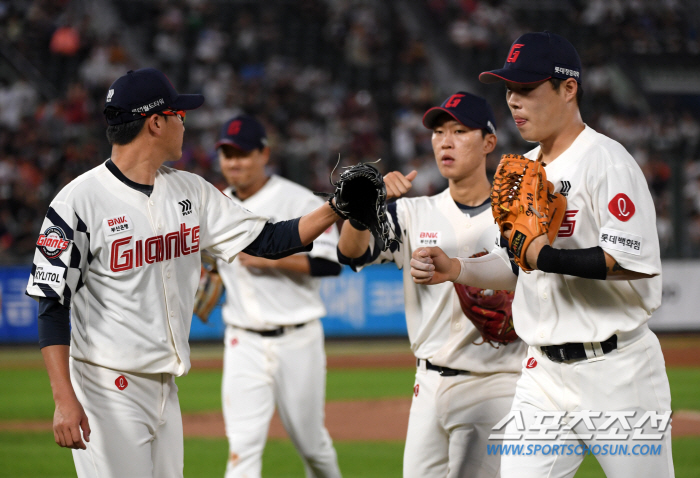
[135,422]
[630,379]
[450,421]
[288,372]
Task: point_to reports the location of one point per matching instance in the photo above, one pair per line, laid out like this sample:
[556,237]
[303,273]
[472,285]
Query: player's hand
[397,184]
[253,261]
[68,420]
[430,265]
[534,249]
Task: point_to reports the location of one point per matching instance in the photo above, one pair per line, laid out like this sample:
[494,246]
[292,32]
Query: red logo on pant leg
[531,363]
[121,382]
[234,341]
[415,390]
[622,207]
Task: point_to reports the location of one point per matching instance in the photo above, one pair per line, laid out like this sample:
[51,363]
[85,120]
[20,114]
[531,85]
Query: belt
[276,332]
[580,351]
[444,371]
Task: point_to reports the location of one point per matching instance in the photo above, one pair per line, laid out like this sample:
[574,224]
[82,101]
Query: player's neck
[552,147]
[244,192]
[471,190]
[136,164]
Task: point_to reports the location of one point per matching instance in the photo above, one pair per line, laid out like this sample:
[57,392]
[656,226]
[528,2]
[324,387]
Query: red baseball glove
[490,311]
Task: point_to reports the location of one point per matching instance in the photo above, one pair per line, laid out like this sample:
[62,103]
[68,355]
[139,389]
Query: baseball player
[120,246]
[593,367]
[274,353]
[461,389]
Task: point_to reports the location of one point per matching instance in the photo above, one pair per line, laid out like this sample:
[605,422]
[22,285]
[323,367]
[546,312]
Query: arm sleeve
[278,240]
[627,217]
[54,323]
[373,254]
[487,272]
[62,256]
[323,267]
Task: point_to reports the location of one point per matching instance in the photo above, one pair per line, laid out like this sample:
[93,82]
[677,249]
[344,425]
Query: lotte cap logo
[622,207]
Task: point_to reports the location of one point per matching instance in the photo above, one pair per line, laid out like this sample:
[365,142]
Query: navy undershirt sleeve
[320,267]
[54,323]
[278,240]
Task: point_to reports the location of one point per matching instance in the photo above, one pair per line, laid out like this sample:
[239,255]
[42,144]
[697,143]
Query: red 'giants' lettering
[154,249]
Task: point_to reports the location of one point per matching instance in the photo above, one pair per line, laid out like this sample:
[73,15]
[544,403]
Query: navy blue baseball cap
[535,57]
[470,110]
[243,132]
[143,92]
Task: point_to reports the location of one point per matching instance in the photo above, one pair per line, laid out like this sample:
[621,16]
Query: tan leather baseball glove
[523,201]
[209,290]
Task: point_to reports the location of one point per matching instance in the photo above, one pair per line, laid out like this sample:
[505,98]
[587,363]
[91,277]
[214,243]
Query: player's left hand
[252,261]
[533,251]
[397,184]
[430,265]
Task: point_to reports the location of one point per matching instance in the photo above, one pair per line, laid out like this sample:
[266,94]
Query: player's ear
[570,89]
[265,155]
[490,142]
[155,124]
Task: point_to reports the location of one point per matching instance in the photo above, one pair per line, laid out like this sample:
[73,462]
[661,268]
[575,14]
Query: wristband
[585,263]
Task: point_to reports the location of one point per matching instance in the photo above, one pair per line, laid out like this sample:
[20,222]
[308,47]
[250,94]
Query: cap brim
[187,102]
[509,74]
[228,142]
[431,115]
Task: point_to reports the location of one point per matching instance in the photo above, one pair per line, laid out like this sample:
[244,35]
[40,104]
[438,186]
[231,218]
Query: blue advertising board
[368,303]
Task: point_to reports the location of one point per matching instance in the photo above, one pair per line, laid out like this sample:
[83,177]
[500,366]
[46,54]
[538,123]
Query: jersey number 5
[568,224]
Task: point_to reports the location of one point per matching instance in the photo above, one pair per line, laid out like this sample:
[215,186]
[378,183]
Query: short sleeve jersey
[128,264]
[263,299]
[608,205]
[437,328]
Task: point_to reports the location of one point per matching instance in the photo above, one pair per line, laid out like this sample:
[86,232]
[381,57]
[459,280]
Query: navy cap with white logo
[143,92]
[470,110]
[243,132]
[535,57]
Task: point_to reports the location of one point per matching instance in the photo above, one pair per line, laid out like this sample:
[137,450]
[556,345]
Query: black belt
[567,352]
[275,332]
[444,371]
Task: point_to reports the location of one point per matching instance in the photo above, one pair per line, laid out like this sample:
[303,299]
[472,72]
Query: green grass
[26,394]
[29,455]
[685,388]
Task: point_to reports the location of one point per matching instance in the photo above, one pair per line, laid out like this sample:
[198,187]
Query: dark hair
[124,133]
[556,83]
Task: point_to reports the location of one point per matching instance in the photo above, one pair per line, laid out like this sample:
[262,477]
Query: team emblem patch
[415,389]
[53,242]
[121,382]
[531,363]
[622,207]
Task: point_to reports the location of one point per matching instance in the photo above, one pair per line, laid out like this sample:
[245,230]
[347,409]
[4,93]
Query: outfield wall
[364,304]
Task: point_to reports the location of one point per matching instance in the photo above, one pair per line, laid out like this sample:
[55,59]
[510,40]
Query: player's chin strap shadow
[383,230]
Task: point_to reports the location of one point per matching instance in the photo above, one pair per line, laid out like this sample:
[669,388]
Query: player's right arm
[430,265]
[69,417]
[354,243]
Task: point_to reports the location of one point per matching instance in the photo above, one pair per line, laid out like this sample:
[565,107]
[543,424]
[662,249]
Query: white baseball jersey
[266,299]
[129,264]
[608,205]
[437,328]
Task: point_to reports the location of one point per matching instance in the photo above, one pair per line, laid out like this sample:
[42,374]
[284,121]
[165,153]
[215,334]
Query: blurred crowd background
[337,77]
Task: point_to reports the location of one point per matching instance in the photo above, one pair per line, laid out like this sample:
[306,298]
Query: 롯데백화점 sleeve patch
[620,241]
